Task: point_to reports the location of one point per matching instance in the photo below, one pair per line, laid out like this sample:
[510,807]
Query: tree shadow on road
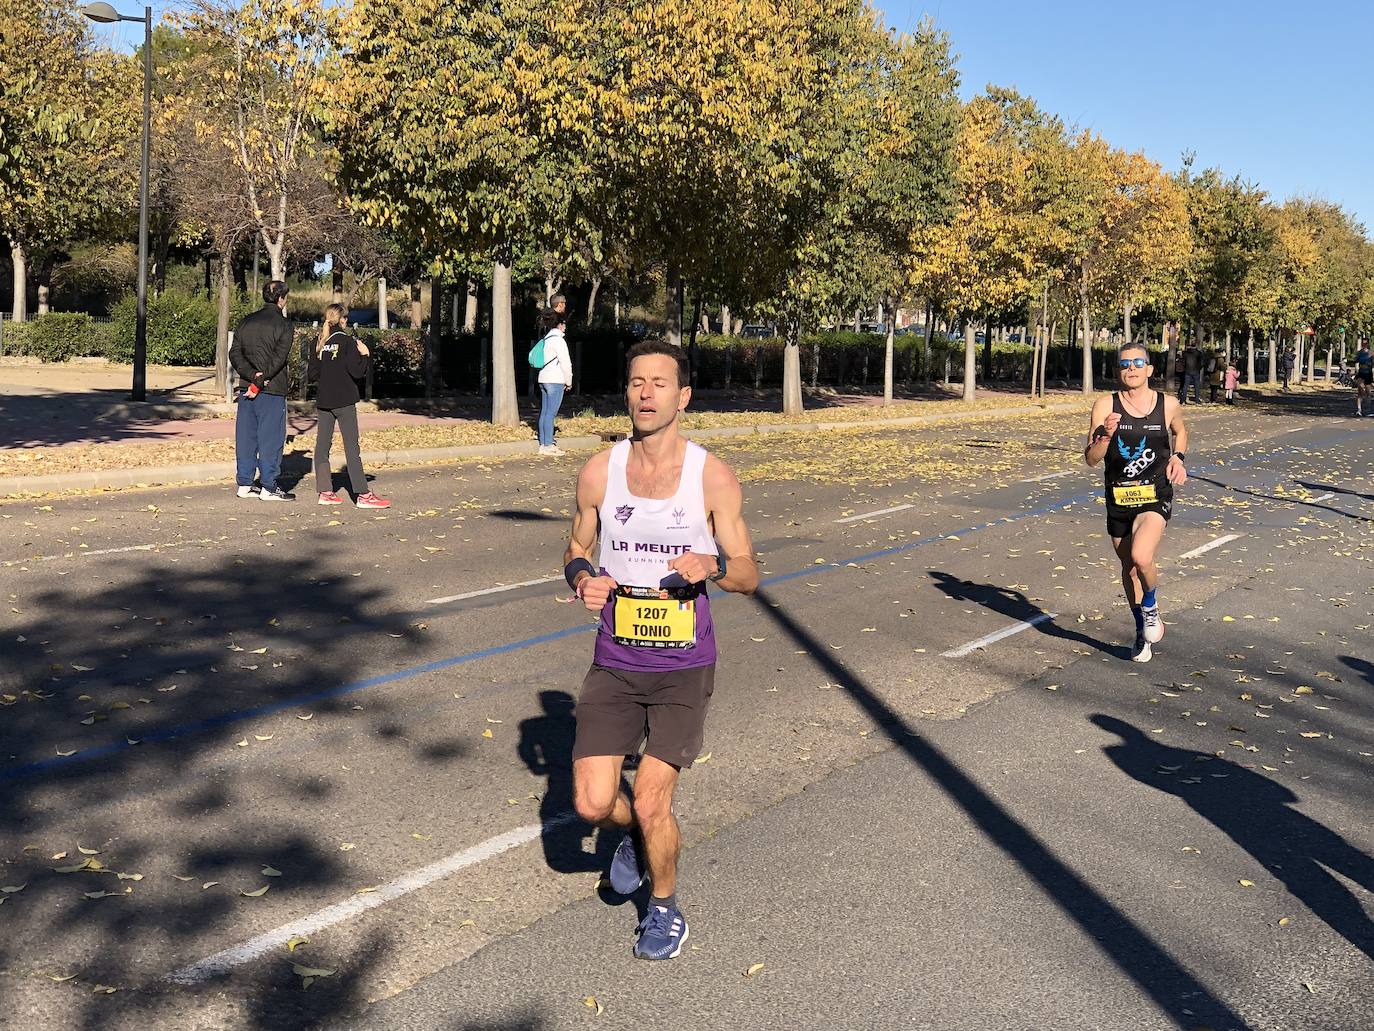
[1282,498]
[162,725]
[546,745]
[1016,606]
[1258,815]
[1172,987]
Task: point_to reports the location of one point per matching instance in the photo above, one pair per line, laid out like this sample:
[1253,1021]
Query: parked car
[759,331]
[366,318]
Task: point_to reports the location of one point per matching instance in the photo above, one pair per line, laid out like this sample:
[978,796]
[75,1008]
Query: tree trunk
[222,328]
[758,368]
[1311,359]
[815,361]
[738,329]
[470,308]
[1250,357]
[417,315]
[616,316]
[431,340]
[970,360]
[1275,338]
[1228,347]
[336,285]
[725,326]
[674,314]
[926,371]
[383,316]
[505,410]
[21,281]
[276,257]
[44,292]
[791,369]
[858,319]
[729,364]
[1126,321]
[1035,365]
[591,303]
[1086,317]
[987,352]
[693,361]
[888,351]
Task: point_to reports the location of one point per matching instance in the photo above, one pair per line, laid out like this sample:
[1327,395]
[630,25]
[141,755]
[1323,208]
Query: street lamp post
[104,13]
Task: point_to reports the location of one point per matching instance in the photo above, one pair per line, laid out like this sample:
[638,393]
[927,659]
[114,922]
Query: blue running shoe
[661,933]
[627,876]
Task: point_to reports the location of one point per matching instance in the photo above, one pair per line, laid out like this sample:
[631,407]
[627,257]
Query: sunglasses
[1132,363]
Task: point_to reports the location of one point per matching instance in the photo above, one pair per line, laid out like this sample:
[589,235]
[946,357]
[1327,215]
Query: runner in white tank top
[669,517]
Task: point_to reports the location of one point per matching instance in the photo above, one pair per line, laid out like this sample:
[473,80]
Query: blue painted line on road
[239,715]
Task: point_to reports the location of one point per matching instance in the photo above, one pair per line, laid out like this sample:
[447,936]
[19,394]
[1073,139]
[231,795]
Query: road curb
[152,476]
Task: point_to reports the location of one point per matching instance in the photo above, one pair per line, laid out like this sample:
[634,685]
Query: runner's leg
[596,792]
[653,814]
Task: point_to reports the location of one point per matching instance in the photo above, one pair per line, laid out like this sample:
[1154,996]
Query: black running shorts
[1121,519]
[618,709]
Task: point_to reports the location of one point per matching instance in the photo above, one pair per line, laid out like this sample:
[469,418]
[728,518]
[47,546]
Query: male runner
[1131,430]
[669,517]
[1364,376]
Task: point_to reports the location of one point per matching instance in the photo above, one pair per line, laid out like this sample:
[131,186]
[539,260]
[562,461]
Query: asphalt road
[369,715]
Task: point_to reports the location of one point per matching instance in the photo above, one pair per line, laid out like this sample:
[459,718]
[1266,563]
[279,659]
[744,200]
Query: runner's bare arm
[1102,415]
[586,523]
[725,506]
[1173,416]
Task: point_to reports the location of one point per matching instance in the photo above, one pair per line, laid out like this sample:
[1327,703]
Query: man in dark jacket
[262,347]
[1192,373]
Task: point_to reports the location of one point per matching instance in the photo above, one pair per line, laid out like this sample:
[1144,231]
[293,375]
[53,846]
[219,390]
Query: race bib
[1134,495]
[644,618]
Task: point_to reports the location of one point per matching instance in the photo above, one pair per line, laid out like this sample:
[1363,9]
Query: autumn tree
[67,117]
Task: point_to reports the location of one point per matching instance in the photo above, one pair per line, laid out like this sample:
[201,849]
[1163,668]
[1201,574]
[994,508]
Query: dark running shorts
[618,708]
[1121,520]
[1365,376]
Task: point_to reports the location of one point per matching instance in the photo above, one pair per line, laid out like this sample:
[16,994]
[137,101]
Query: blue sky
[1279,93]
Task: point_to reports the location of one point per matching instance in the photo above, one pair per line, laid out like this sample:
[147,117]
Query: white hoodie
[557,362]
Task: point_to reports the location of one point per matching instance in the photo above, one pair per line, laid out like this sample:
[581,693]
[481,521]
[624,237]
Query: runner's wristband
[574,567]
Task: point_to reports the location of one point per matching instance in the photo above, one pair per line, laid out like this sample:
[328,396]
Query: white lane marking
[1313,501]
[112,551]
[993,638]
[245,952]
[872,515]
[492,590]
[1237,443]
[1050,476]
[1226,539]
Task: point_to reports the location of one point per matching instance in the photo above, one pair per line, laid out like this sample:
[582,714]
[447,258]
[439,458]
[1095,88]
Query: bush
[181,328]
[57,336]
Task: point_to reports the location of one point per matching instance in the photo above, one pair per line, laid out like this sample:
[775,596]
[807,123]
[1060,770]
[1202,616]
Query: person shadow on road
[546,745]
[1015,605]
[1257,814]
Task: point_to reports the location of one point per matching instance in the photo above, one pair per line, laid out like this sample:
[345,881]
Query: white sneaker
[1141,652]
[1154,625]
[555,450]
[248,492]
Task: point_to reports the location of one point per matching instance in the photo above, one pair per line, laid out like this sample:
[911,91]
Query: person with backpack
[339,360]
[550,356]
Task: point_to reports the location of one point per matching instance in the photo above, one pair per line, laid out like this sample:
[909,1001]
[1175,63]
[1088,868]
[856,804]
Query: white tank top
[640,536]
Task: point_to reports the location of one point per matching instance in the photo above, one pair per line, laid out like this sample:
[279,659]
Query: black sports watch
[1180,456]
[720,568]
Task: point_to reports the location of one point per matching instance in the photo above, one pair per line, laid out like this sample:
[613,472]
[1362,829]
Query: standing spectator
[559,303]
[1192,373]
[1364,377]
[1232,380]
[340,359]
[555,377]
[262,347]
[1216,372]
[1286,367]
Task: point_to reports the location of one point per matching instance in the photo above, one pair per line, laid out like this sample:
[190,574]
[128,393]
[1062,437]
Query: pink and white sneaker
[371,500]
[330,497]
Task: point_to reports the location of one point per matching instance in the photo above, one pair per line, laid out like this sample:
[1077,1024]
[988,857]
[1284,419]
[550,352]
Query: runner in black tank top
[1140,434]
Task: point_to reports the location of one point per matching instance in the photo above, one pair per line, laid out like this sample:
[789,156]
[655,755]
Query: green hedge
[57,336]
[181,328]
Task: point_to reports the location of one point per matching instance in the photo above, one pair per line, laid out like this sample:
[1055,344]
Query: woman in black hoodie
[339,361]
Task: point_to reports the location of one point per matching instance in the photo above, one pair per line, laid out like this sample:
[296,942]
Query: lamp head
[100,12]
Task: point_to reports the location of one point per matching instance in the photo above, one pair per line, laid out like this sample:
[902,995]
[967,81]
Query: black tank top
[1139,451]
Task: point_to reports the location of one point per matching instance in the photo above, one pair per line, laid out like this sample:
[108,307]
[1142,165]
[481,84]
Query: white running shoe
[248,492]
[1154,625]
[1141,652]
